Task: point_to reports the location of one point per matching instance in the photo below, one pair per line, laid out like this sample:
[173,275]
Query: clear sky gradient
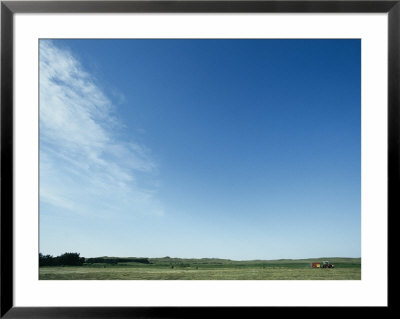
[239,149]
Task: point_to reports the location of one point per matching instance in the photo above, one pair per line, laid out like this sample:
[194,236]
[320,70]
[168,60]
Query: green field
[207,269]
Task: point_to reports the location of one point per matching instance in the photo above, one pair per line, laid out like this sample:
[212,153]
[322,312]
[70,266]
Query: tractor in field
[325,264]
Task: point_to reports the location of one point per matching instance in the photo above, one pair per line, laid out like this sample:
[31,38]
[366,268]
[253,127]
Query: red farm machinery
[324,264]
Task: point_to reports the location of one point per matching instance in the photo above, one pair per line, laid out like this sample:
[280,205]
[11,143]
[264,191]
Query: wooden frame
[8,8]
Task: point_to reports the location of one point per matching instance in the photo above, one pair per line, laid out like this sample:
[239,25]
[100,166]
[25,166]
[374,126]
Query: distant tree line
[74,259]
[116,260]
[67,259]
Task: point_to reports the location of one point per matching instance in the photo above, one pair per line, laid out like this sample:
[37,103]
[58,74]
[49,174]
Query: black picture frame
[9,8]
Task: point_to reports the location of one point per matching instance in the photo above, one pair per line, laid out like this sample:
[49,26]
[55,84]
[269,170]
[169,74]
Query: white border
[370,291]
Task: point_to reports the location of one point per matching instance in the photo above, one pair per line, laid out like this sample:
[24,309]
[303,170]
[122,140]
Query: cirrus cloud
[85,168]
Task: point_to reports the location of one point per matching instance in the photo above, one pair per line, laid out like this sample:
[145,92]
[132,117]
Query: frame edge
[393,123]
[6,185]
[6,259]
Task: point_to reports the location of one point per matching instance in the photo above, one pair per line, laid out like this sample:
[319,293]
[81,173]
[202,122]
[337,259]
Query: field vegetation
[166,268]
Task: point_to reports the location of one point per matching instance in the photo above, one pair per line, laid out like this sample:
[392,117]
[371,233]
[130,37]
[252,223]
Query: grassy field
[207,269]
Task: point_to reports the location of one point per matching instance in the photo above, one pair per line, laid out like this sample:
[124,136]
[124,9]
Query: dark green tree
[70,259]
[46,260]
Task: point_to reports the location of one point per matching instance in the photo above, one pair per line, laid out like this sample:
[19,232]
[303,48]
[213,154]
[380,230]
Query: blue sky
[240,149]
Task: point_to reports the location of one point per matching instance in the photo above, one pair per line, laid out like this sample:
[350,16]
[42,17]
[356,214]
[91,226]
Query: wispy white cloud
[84,167]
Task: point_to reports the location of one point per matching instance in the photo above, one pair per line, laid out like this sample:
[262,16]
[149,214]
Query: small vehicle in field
[325,264]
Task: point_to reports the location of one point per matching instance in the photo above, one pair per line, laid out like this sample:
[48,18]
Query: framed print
[173,158]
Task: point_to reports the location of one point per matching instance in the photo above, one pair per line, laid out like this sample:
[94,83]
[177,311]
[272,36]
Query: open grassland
[207,269]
